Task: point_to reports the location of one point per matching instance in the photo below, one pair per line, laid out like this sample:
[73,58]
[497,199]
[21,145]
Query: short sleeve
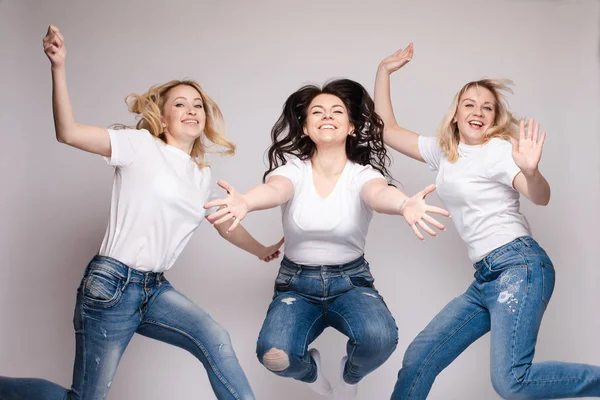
[125,144]
[502,166]
[365,174]
[430,151]
[291,170]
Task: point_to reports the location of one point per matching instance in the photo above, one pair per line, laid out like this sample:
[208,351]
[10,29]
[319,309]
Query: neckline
[337,182]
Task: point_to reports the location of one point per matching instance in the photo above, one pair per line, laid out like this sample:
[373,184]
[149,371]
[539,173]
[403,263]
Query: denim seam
[420,372]
[305,346]
[206,354]
[353,339]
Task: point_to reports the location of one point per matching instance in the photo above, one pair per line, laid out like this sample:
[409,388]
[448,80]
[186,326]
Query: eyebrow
[181,97]
[487,102]
[320,106]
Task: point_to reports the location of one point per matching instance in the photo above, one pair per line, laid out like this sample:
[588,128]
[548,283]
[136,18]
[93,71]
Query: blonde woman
[485,162]
[160,187]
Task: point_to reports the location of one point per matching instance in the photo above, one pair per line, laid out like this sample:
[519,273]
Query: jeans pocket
[284,279]
[547,281]
[361,277]
[101,288]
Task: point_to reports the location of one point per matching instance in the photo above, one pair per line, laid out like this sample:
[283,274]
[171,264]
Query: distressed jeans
[309,299]
[113,303]
[512,288]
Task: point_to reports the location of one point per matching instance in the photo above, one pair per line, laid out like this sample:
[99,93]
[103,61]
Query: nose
[191,111]
[327,114]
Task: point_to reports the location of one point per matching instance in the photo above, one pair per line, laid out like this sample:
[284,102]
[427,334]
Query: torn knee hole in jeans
[276,360]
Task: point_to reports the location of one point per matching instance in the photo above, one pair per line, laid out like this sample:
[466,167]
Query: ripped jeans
[512,287]
[309,299]
[113,303]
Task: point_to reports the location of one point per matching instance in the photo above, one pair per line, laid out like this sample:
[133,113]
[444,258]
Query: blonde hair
[505,124]
[149,107]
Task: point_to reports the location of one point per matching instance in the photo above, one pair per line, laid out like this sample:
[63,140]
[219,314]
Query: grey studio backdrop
[249,56]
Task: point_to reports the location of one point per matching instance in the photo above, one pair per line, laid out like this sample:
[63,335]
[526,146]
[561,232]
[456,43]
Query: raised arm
[275,192]
[398,138]
[387,199]
[85,137]
[527,153]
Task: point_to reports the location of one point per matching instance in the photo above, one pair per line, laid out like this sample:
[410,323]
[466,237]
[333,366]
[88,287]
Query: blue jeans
[512,287]
[309,299]
[113,303]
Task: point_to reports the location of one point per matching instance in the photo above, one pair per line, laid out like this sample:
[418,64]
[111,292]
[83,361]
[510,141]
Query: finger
[434,222]
[536,130]
[280,243]
[215,203]
[218,214]
[530,128]
[437,210]
[411,51]
[416,231]
[542,139]
[236,222]
[51,29]
[225,186]
[427,190]
[426,227]
[225,218]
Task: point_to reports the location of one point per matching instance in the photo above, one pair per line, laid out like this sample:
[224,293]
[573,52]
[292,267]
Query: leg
[517,300]
[362,315]
[459,324]
[291,324]
[105,320]
[172,318]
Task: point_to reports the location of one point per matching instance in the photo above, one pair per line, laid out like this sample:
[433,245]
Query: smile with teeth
[476,124]
[190,121]
[327,126]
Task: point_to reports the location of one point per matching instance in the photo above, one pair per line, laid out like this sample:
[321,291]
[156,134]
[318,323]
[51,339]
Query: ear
[304,130]
[454,120]
[351,131]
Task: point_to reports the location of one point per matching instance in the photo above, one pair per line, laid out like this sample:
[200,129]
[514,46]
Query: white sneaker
[343,390]
[321,385]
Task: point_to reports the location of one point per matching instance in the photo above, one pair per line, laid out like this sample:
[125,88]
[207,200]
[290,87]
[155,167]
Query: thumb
[281,242]
[52,29]
[225,186]
[428,190]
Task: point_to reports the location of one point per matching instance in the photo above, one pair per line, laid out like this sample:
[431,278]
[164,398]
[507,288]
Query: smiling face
[475,114]
[327,121]
[183,114]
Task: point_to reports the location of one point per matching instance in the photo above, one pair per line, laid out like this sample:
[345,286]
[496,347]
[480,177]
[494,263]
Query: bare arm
[398,138]
[387,199]
[527,153]
[241,238]
[236,206]
[85,137]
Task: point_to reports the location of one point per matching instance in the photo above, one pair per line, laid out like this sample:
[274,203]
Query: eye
[338,112]
[199,106]
[315,112]
[469,105]
[488,108]
[179,105]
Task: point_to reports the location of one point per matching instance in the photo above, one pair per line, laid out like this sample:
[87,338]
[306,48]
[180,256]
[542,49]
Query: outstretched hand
[397,60]
[527,152]
[233,206]
[54,47]
[415,212]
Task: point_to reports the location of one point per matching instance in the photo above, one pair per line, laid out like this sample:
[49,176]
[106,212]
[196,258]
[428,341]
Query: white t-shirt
[157,201]
[327,231]
[478,191]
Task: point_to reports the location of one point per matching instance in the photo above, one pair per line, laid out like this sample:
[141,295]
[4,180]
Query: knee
[276,360]
[507,388]
[377,341]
